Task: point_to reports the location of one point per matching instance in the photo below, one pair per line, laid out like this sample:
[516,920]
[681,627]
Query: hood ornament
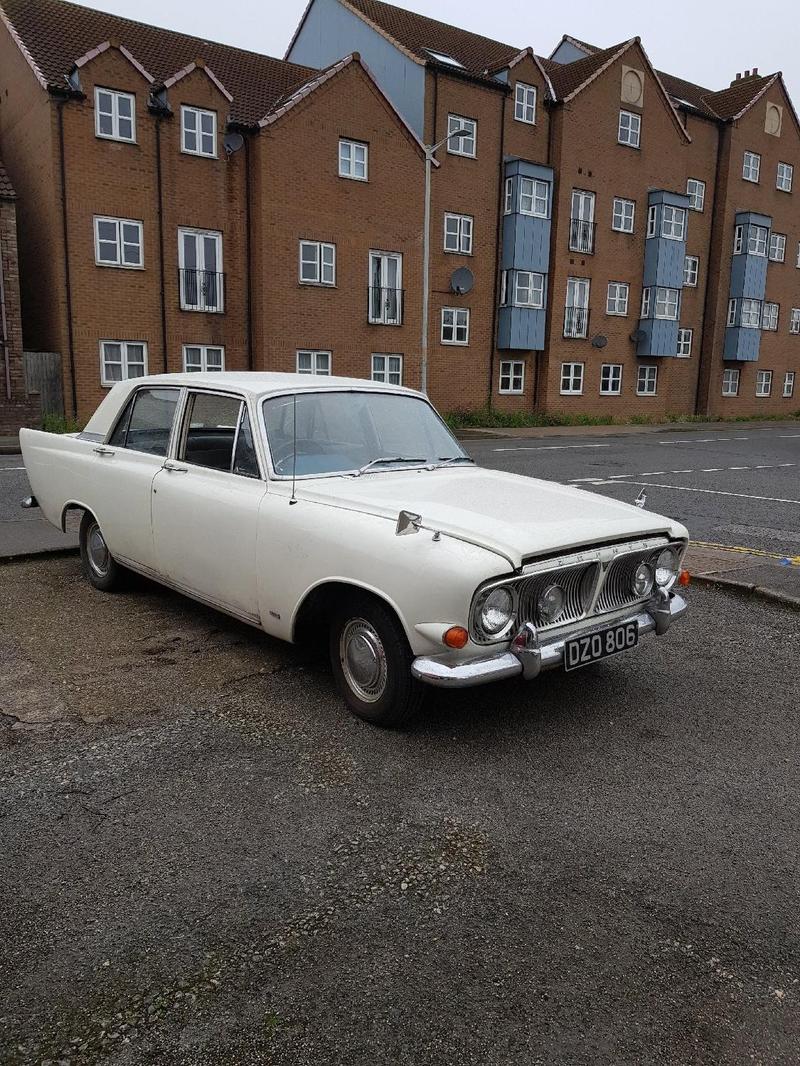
[641,499]
[407,523]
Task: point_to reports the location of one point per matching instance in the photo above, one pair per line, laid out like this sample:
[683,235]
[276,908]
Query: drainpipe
[708,296]
[65,238]
[538,357]
[159,183]
[249,248]
[497,239]
[4,332]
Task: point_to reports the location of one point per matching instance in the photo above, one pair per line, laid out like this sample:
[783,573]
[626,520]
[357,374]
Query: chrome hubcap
[97,551]
[363,660]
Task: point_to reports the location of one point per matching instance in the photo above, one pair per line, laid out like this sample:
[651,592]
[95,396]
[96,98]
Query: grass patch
[484,418]
[60,424]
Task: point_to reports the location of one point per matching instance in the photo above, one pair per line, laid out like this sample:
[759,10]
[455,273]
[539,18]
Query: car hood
[514,516]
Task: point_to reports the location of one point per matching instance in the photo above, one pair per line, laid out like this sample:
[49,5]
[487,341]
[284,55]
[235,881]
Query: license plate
[580,651]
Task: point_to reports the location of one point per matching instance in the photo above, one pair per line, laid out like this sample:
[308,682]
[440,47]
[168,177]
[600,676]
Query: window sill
[116,140]
[198,155]
[352,177]
[118,266]
[317,284]
[455,344]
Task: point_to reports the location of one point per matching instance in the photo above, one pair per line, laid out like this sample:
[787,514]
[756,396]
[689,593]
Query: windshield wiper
[444,460]
[387,459]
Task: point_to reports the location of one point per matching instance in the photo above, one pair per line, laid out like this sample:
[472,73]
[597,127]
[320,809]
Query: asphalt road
[207,861]
[733,486]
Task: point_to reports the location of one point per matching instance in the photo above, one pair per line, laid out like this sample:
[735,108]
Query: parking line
[713,492]
[550,447]
[4,468]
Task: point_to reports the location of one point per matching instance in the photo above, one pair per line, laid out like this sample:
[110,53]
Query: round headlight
[643,580]
[551,604]
[497,611]
[666,568]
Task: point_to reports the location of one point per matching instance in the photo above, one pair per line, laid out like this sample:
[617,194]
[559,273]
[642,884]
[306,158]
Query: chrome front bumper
[529,655]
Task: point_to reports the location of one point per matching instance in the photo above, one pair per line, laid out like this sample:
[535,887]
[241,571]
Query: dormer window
[443,57]
[114,115]
[199,132]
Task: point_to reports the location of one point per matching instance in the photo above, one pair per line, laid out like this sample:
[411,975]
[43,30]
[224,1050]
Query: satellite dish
[599,341]
[233,142]
[462,281]
[638,335]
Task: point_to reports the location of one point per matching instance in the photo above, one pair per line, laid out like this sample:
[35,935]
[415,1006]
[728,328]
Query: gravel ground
[206,860]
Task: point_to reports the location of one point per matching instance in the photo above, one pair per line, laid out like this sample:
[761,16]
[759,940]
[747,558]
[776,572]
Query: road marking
[713,492]
[593,480]
[702,440]
[550,447]
[703,470]
[711,470]
[786,559]
[681,471]
[4,468]
[738,467]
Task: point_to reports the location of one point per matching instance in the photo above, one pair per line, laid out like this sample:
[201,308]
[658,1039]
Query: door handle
[174,468]
[104,451]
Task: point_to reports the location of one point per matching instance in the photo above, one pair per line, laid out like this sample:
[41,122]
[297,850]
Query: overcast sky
[705,41]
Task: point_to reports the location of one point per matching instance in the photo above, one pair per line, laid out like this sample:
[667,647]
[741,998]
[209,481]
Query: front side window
[114,115]
[353,160]
[751,166]
[317,263]
[388,369]
[684,343]
[788,383]
[617,300]
[777,247]
[630,127]
[209,430]
[673,222]
[696,191]
[386,288]
[622,217]
[528,289]
[455,325]
[757,240]
[647,381]
[571,379]
[458,234]
[200,269]
[611,379]
[763,383]
[120,360]
[525,103]
[118,242]
[751,314]
[730,383]
[691,269]
[199,131]
[784,177]
[467,143]
[512,375]
[794,320]
[203,358]
[313,362]
[146,425]
[769,316]
[534,197]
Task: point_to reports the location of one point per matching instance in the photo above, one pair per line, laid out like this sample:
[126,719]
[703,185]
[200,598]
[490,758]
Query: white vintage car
[309,506]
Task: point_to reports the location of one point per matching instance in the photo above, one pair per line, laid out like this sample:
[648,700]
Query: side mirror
[407,523]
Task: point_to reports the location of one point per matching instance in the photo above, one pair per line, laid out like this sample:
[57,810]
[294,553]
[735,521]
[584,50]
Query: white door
[576,319]
[386,284]
[200,261]
[206,502]
[581,236]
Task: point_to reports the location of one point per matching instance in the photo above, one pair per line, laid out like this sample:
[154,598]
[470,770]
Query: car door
[123,469]
[206,501]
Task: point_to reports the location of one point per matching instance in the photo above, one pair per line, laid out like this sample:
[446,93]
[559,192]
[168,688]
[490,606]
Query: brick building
[605,238]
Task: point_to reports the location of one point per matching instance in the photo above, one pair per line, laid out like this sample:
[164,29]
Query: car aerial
[343,511]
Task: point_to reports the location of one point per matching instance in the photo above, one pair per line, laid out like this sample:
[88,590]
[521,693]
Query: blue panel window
[534,197]
[673,222]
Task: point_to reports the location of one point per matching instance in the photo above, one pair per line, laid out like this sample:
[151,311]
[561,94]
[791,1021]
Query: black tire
[389,695]
[99,565]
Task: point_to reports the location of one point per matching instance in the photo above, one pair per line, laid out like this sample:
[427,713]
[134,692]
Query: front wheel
[371,662]
[99,565]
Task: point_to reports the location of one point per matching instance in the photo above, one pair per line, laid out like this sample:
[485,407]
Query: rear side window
[146,423]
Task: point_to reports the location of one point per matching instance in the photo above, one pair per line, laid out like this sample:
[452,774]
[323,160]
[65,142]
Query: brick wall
[16,408]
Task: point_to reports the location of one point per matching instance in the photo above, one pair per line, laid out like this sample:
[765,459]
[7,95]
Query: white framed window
[118,242]
[458,234]
[652,219]
[763,383]
[751,314]
[784,177]
[665,302]
[646,301]
[311,361]
[317,263]
[684,343]
[730,383]
[751,166]
[534,197]
[120,360]
[576,309]
[794,320]
[512,376]
[203,357]
[731,312]
[788,384]
[630,128]
[525,103]
[386,288]
[738,240]
[466,145]
[797,261]
[673,222]
[691,270]
[757,240]
[571,379]
[611,379]
[777,247]
[623,214]
[200,268]
[387,368]
[617,298]
[647,381]
[198,131]
[696,191]
[769,316]
[528,289]
[509,199]
[114,115]
[353,160]
[455,325]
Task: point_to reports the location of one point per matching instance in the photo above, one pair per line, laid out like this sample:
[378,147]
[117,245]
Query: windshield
[343,432]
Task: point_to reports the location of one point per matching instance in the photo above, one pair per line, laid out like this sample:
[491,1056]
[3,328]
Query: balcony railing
[202,290]
[385,306]
[581,236]
[576,321]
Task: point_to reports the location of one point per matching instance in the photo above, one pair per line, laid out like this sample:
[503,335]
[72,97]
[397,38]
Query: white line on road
[4,468]
[713,492]
[550,447]
[701,440]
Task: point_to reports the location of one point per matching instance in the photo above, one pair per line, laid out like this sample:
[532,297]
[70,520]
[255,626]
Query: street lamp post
[430,153]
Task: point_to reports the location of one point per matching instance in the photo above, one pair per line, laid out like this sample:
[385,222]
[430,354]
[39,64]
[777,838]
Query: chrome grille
[578,583]
[617,588]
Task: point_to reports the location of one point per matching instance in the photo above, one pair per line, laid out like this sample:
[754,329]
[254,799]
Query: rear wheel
[371,662]
[99,564]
